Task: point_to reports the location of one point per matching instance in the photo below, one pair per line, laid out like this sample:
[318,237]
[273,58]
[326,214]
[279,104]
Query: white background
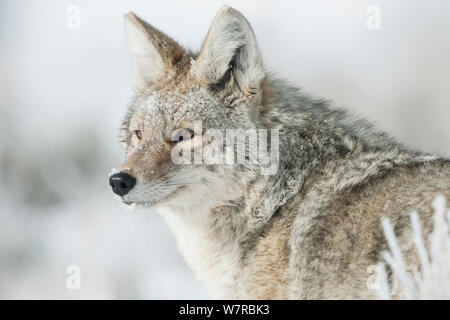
[63,94]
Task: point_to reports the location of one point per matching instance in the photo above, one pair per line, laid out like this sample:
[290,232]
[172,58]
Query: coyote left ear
[153,54]
[230,55]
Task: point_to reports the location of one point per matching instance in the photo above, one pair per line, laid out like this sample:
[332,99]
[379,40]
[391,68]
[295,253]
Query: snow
[113,171]
[63,95]
[433,282]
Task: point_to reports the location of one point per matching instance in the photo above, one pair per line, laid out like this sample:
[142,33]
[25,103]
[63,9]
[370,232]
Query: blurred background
[64,88]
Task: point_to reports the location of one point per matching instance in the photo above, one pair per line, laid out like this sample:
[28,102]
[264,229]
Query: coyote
[309,229]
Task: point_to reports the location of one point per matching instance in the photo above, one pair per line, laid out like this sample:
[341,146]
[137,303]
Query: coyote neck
[207,246]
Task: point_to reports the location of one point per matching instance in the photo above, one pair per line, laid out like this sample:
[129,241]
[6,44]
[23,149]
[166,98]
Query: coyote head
[219,88]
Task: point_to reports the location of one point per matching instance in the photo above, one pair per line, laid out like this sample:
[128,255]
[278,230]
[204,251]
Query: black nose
[121,183]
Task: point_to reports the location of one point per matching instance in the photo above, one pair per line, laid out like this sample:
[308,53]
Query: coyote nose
[121,183]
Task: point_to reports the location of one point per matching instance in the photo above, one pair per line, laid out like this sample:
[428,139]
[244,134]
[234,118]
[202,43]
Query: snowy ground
[63,94]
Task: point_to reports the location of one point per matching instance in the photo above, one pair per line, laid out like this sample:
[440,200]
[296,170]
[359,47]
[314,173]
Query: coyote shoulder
[309,229]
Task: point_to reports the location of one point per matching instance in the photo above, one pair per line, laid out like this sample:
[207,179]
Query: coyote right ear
[153,54]
[230,55]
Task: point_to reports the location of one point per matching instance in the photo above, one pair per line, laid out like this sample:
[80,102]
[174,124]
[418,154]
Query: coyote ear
[153,54]
[230,55]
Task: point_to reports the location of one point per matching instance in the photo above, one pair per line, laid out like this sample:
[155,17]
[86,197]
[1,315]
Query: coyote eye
[182,135]
[138,134]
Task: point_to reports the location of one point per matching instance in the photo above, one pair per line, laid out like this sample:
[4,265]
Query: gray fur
[308,232]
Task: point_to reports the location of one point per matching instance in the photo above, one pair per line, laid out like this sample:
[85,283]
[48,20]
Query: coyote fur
[309,230]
